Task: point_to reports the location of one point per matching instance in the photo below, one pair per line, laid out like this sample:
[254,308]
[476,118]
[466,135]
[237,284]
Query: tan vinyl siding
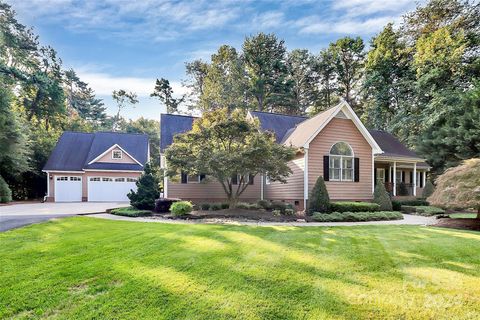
[293,189]
[335,131]
[108,157]
[210,190]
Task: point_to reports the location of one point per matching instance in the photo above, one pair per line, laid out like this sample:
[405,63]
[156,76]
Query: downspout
[261,187]
[305,179]
[165,178]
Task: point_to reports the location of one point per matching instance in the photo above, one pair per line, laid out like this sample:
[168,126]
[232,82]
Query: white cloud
[317,25]
[268,20]
[104,84]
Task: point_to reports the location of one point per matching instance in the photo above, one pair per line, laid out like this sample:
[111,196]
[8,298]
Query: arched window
[341,162]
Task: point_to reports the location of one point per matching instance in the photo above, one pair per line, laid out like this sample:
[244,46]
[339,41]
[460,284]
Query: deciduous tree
[229,148]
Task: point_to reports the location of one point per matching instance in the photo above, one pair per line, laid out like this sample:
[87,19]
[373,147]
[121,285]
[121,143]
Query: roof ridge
[281,114]
[178,115]
[114,132]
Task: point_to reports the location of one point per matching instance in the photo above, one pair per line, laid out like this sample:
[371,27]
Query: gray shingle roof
[391,146]
[279,124]
[74,150]
[172,124]
[282,126]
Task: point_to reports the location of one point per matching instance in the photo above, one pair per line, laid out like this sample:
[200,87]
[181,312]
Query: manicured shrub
[181,208]
[147,191]
[414,202]
[319,199]
[5,192]
[356,216]
[215,206]
[130,212]
[344,206]
[279,205]
[265,204]
[243,205]
[428,189]
[426,211]
[289,212]
[224,205]
[162,205]
[381,197]
[276,213]
[205,206]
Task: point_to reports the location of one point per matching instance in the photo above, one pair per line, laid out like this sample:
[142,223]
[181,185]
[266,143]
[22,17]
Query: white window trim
[121,155]
[341,163]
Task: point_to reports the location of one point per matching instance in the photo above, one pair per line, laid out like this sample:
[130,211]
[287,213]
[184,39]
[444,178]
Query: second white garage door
[110,188]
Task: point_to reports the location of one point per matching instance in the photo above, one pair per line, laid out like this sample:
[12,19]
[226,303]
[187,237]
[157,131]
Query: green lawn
[463,215]
[85,268]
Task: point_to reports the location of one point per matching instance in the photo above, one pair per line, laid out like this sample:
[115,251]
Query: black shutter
[202,177]
[184,177]
[251,177]
[326,164]
[387,175]
[422,183]
[375,176]
[411,177]
[235,179]
[403,176]
[356,170]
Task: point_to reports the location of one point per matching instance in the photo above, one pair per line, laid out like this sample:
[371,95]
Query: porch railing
[403,189]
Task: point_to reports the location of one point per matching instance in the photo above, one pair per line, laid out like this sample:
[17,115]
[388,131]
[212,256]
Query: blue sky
[127,44]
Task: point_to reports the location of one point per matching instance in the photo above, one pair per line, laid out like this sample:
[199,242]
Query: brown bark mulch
[238,214]
[465,224]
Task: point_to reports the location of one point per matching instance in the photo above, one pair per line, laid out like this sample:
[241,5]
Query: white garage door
[110,188]
[68,189]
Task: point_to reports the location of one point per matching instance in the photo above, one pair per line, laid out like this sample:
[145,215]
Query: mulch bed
[237,214]
[465,224]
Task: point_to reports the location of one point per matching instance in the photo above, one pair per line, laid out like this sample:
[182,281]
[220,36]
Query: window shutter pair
[326,167]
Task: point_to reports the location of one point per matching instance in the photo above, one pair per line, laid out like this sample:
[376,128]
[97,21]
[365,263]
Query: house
[100,166]
[334,144]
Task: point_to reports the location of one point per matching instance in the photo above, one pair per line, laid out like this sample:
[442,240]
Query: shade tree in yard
[231,149]
[459,187]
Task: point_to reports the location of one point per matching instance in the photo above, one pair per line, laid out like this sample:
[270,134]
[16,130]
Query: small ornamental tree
[381,197]
[459,187]
[229,148]
[319,200]
[428,189]
[5,192]
[147,190]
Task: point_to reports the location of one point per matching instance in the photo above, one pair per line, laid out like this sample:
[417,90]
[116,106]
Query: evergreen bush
[147,191]
[181,208]
[5,192]
[319,199]
[428,189]
[381,197]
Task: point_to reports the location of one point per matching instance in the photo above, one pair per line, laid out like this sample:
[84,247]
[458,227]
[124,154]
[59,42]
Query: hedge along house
[334,144]
[101,166]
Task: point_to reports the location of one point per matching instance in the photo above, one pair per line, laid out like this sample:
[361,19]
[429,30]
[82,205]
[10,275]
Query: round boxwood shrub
[215,206]
[205,206]
[265,204]
[181,208]
[319,199]
[5,192]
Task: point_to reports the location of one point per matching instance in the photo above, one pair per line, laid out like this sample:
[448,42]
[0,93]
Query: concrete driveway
[18,215]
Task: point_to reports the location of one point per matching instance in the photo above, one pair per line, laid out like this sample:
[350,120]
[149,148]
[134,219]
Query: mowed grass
[463,215]
[87,268]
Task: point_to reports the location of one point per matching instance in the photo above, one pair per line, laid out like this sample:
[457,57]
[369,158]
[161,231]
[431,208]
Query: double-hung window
[341,162]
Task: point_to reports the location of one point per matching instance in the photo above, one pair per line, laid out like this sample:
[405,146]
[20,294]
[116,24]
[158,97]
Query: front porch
[404,178]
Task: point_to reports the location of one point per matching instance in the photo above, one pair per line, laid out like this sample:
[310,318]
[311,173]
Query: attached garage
[68,188]
[110,188]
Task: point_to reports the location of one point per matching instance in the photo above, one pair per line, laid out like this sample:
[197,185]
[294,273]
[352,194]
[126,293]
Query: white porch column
[415,179]
[305,179]
[262,181]
[48,184]
[394,178]
[424,178]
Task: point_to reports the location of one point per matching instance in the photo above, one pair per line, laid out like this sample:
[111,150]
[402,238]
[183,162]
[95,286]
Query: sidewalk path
[408,220]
